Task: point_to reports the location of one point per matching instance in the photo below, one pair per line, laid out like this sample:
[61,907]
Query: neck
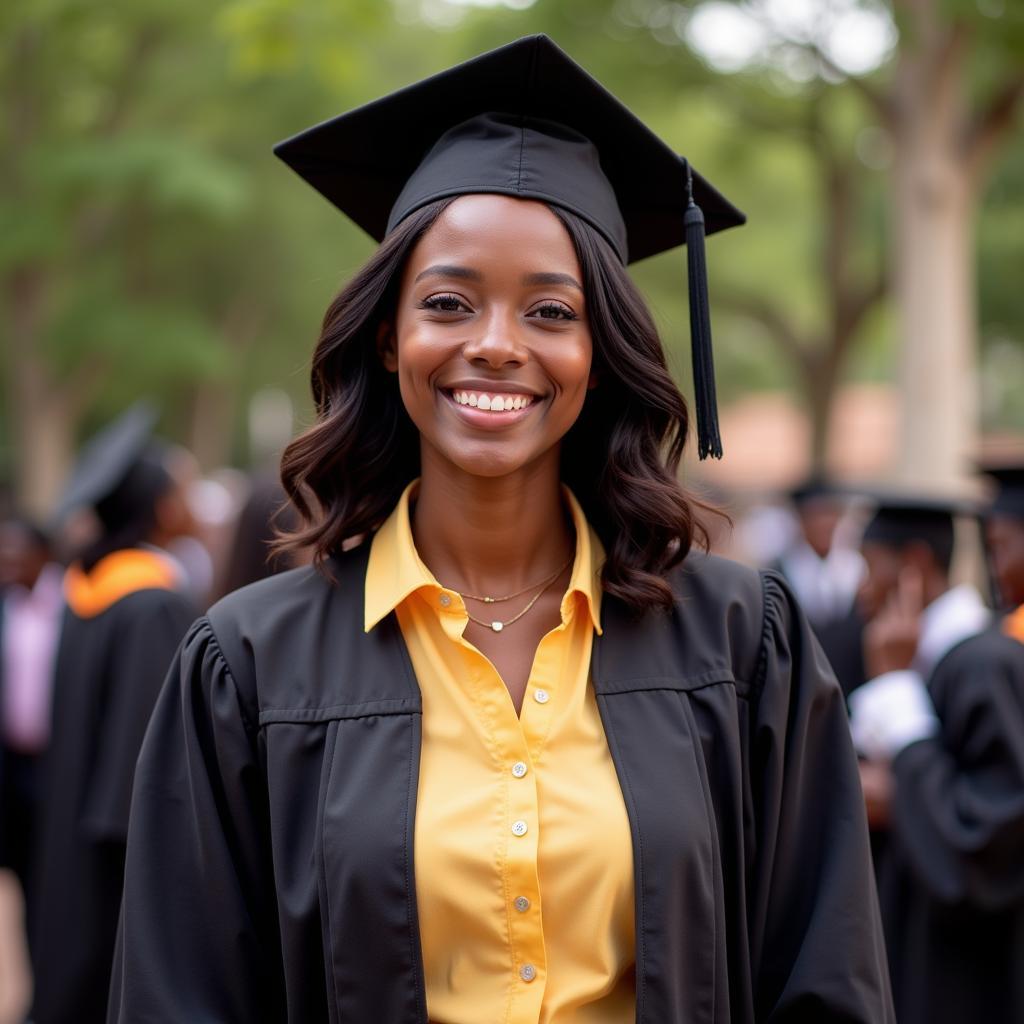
[491,535]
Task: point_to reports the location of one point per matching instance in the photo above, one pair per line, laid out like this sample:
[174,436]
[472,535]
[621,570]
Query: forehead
[504,228]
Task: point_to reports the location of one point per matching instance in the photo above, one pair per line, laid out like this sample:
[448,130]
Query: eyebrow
[566,279]
[468,274]
[449,270]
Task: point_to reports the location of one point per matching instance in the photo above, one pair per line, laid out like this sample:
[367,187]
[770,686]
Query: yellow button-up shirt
[523,853]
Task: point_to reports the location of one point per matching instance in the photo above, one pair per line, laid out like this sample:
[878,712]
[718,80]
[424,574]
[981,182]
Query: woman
[519,756]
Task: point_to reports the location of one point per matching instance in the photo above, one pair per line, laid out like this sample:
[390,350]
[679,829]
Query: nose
[497,342]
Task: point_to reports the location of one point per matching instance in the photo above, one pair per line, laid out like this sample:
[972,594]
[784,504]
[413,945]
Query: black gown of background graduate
[123,622]
[270,873]
[952,884]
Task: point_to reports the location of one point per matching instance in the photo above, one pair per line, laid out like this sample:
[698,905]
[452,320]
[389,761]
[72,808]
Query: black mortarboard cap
[900,519]
[119,462]
[816,487]
[525,120]
[1009,496]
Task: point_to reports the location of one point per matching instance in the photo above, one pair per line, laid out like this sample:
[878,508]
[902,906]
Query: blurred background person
[1004,543]
[31,607]
[126,613]
[823,574]
[825,571]
[177,523]
[941,724]
[249,558]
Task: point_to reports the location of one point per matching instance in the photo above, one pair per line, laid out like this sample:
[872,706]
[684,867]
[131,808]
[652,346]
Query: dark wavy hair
[345,474]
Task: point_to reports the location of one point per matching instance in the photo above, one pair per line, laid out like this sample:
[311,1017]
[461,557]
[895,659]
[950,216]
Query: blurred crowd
[916,601]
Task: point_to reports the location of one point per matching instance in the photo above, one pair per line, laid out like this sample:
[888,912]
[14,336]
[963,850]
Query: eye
[553,311]
[444,303]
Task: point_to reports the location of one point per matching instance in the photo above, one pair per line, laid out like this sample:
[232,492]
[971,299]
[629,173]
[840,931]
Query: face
[818,522]
[174,516]
[490,338]
[883,565]
[1005,539]
[22,558]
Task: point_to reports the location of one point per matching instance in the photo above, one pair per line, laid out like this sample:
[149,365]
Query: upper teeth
[493,403]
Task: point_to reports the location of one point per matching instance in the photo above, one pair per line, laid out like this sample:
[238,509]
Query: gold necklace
[508,597]
[498,625]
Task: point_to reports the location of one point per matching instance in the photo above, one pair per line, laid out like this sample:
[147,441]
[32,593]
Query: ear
[592,380]
[387,346]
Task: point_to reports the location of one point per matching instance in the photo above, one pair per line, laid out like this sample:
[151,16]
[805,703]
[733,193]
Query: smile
[490,402]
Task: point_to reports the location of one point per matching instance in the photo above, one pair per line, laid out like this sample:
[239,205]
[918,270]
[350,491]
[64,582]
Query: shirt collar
[395,569]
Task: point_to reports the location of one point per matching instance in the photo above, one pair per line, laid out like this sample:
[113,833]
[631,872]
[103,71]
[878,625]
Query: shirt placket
[519,743]
[540,704]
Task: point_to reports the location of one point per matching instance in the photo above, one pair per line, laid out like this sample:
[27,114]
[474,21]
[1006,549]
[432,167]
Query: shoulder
[987,658]
[296,640]
[716,630]
[275,602]
[718,580]
[151,604]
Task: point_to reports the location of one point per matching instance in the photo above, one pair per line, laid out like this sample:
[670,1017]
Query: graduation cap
[816,488]
[525,120]
[1009,497]
[118,471]
[902,519]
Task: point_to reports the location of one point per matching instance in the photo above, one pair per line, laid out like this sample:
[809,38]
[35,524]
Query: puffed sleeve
[817,949]
[958,809]
[197,939]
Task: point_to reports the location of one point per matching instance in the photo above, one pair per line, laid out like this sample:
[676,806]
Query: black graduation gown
[952,883]
[108,672]
[270,874]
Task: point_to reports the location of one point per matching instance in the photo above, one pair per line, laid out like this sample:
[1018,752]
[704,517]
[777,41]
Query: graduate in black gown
[274,870]
[123,621]
[945,720]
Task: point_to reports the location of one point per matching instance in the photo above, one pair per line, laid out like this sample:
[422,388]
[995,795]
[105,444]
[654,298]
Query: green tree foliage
[150,243]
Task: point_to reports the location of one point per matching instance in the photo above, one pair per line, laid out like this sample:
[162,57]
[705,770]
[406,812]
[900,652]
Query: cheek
[569,365]
[420,355]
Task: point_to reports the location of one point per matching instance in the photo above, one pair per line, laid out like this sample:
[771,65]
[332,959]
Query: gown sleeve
[197,938]
[143,651]
[816,940]
[958,813]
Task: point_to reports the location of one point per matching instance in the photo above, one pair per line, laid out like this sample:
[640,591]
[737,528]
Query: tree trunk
[933,204]
[42,426]
[212,414]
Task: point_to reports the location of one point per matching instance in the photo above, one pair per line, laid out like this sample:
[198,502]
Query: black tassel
[709,440]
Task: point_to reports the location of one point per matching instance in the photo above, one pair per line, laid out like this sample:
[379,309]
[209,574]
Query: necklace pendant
[488,600]
[497,626]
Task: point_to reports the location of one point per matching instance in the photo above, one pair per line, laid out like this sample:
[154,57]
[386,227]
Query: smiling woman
[534,272]
[511,750]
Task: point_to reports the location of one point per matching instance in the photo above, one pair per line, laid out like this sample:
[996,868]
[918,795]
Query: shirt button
[527,972]
[522,904]
[519,769]
[519,828]
[444,600]
[541,696]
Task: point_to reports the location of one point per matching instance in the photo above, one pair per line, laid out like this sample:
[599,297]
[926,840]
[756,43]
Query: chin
[489,459]
[488,465]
